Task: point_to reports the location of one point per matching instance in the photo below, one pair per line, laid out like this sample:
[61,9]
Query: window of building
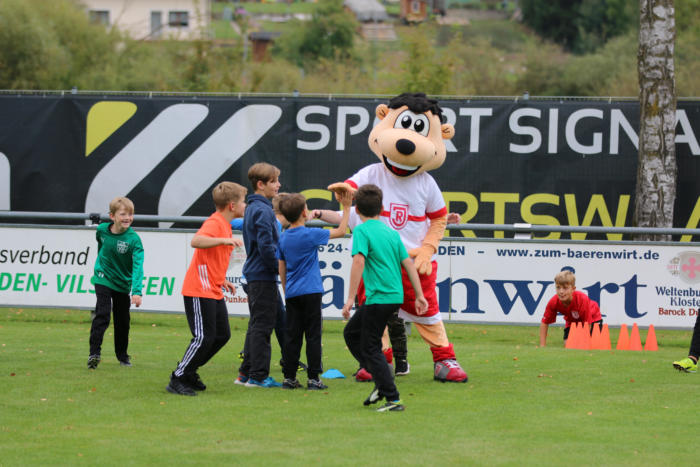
[179,19]
[99,17]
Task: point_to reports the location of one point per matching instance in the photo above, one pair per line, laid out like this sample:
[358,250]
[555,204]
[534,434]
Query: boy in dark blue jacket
[261,238]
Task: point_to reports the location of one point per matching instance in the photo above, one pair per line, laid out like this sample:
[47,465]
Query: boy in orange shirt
[203,287]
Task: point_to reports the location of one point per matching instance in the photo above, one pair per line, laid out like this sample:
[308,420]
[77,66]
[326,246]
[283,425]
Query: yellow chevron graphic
[104,118]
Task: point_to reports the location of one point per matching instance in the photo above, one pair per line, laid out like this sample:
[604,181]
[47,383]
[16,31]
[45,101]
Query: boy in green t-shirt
[378,255]
[118,272]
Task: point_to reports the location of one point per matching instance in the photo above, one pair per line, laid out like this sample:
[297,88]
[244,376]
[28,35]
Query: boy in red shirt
[203,287]
[574,305]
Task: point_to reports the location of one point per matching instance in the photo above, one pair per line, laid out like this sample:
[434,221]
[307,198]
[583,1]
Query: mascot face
[408,142]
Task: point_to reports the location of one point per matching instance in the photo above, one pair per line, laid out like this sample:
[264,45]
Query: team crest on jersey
[575,315]
[122,247]
[398,215]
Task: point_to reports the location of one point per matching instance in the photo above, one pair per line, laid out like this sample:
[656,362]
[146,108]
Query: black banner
[535,161]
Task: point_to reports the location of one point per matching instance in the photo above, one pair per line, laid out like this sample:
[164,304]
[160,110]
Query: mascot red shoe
[408,141]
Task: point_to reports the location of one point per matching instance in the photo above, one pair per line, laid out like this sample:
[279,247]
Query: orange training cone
[579,338]
[635,340]
[623,342]
[597,338]
[651,344]
[571,340]
[585,336]
[605,338]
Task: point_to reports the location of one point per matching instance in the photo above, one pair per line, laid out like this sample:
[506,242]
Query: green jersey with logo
[119,263]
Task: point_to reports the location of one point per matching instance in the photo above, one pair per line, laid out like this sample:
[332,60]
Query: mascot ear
[382,111]
[448,131]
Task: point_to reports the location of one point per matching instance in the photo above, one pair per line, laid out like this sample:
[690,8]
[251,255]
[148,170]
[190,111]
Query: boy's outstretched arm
[346,201]
[325,215]
[202,241]
[358,266]
[543,334]
[421,302]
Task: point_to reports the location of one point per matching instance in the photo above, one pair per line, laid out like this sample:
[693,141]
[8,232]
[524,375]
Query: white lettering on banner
[502,282]
[553,131]
[359,127]
[321,129]
[617,120]
[531,131]
[571,140]
[476,116]
[688,136]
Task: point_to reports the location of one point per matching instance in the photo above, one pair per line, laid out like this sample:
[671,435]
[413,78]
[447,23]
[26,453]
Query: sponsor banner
[499,282]
[511,282]
[550,162]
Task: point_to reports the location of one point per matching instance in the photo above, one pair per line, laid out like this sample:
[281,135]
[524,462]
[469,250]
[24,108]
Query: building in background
[154,19]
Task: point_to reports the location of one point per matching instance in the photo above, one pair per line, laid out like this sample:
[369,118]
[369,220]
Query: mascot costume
[408,140]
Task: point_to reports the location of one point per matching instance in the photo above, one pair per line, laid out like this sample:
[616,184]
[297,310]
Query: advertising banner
[479,281]
[548,162]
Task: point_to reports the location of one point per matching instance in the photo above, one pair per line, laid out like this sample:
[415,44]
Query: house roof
[367,10]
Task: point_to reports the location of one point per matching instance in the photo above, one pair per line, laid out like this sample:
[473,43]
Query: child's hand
[347,307]
[344,198]
[421,305]
[230,287]
[236,242]
[136,300]
[314,214]
[453,218]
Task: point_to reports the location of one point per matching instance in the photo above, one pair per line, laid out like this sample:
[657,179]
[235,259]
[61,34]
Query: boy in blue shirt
[301,281]
[378,255]
[280,324]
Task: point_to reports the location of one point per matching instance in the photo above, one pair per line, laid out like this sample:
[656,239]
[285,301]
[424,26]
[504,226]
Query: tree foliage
[423,69]
[329,35]
[52,45]
[49,45]
[579,26]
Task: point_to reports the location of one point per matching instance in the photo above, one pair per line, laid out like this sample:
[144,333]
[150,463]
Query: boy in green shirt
[118,272]
[378,255]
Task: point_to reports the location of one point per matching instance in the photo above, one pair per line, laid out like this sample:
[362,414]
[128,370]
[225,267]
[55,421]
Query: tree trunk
[656,174]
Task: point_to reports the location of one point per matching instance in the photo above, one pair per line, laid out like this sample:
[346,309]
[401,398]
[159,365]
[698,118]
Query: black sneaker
[373,397]
[178,386]
[316,385]
[196,383]
[93,361]
[126,361]
[291,383]
[402,367]
[392,406]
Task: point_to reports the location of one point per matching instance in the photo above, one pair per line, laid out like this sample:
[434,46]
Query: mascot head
[409,137]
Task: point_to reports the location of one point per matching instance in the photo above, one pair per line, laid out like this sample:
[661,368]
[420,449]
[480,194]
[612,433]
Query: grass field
[523,405]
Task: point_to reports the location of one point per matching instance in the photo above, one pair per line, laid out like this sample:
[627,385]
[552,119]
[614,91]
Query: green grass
[523,405]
